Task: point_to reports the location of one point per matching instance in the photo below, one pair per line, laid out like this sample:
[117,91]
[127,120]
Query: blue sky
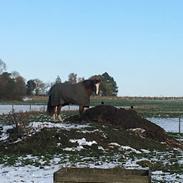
[138,42]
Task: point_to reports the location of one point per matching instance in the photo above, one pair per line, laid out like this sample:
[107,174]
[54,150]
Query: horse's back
[66,93]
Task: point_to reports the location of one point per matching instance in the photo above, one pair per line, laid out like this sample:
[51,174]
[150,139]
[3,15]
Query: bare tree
[72,78]
[2,66]
[40,87]
[58,80]
[80,79]
[15,74]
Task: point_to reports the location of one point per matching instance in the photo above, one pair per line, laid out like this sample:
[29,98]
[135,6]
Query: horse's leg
[58,113]
[54,113]
[81,109]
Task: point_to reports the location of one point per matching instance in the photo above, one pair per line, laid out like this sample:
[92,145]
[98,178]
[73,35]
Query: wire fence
[5,109]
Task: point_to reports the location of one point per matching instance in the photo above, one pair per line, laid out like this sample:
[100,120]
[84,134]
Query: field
[49,146]
[147,106]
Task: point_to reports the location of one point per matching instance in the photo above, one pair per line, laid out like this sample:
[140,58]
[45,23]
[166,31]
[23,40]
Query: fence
[5,109]
[179,124]
[169,124]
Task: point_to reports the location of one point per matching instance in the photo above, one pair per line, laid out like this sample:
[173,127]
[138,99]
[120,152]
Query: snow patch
[83,142]
[27,174]
[40,125]
[114,144]
[4,130]
[131,149]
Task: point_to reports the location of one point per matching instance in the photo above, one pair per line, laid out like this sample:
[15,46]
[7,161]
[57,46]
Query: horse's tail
[49,106]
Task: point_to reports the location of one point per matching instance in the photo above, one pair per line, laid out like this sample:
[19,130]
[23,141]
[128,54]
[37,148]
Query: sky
[139,43]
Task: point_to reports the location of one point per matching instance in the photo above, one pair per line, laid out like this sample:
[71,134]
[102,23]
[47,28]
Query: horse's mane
[89,84]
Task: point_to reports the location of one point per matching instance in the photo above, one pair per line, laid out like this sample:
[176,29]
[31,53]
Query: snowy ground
[44,174]
[32,174]
[27,174]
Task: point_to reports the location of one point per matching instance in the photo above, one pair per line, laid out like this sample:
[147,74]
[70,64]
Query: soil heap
[130,120]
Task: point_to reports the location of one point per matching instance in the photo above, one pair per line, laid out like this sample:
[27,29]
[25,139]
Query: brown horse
[62,94]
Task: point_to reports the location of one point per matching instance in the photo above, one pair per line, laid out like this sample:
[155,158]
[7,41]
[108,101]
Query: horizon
[138,43]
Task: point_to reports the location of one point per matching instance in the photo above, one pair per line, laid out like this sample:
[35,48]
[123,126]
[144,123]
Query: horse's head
[97,85]
[92,85]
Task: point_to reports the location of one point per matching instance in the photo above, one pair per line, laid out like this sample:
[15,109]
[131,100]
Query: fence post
[13,109]
[179,125]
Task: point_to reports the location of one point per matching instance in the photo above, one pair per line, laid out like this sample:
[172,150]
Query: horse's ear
[98,80]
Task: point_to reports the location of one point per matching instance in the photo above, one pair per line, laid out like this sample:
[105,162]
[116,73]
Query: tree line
[13,86]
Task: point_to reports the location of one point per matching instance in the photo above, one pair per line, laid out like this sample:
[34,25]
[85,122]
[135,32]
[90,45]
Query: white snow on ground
[44,174]
[114,144]
[93,131]
[40,125]
[131,164]
[127,148]
[160,176]
[131,149]
[37,126]
[83,142]
[4,134]
[145,151]
[31,174]
[27,174]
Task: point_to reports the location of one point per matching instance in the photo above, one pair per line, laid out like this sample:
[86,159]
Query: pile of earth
[105,125]
[56,140]
[128,119]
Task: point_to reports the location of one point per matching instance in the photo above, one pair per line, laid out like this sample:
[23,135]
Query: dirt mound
[129,120]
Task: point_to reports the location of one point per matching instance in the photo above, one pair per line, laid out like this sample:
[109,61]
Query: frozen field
[44,173]
[31,174]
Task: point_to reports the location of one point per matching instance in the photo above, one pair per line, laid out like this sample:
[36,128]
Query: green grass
[165,107]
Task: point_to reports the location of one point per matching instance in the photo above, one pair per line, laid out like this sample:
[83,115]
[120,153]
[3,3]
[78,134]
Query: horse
[62,94]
